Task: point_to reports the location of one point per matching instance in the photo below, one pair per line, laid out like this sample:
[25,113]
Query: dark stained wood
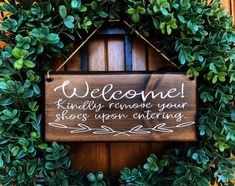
[139,62]
[107,111]
[91,156]
[157,63]
[130,154]
[57,63]
[115,49]
[125,153]
[160,64]
[233,10]
[74,63]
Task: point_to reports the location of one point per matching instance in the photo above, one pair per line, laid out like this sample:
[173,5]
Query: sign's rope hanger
[134,30]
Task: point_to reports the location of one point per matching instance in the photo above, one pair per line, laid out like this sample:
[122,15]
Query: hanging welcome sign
[120,107]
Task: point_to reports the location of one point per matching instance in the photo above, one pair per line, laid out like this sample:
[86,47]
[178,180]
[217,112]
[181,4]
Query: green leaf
[71,18]
[40,49]
[69,22]
[7,113]
[141,10]
[163,163]
[155,9]
[76,4]
[131,11]
[213,68]
[21,177]
[19,53]
[181,18]
[221,76]
[23,142]
[168,29]
[19,64]
[222,146]
[55,145]
[16,52]
[155,23]
[31,170]
[12,171]
[233,114]
[215,78]
[182,56]
[53,38]
[164,11]
[1,161]
[29,63]
[91,177]
[35,11]
[36,89]
[173,24]
[200,58]
[94,5]
[63,11]
[135,17]
[3,85]
[28,94]
[15,150]
[83,8]
[36,33]
[42,146]
[50,166]
[162,27]
[99,176]
[103,14]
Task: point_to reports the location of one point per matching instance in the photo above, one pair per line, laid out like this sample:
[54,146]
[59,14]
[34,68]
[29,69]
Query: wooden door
[111,53]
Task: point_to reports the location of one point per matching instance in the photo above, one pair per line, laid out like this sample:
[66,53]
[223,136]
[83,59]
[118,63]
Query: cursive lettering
[108,92]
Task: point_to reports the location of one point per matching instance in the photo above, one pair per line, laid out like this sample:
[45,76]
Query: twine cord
[78,48]
[134,30]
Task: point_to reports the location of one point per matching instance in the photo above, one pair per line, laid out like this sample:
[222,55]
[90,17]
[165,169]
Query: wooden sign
[120,107]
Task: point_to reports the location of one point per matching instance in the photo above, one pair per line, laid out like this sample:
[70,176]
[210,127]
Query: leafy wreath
[201,36]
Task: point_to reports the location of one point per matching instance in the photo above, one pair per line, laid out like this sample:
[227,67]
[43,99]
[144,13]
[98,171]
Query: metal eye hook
[49,79]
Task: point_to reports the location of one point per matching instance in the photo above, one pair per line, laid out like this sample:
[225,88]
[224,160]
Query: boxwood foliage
[199,34]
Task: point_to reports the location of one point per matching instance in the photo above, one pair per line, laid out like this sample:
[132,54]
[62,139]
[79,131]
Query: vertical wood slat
[154,63]
[92,156]
[115,49]
[233,10]
[96,53]
[139,55]
[130,154]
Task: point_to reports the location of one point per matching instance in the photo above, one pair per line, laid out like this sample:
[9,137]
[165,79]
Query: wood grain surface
[120,107]
[85,155]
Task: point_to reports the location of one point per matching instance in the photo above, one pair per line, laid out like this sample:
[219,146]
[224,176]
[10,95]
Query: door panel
[129,154]
[108,53]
